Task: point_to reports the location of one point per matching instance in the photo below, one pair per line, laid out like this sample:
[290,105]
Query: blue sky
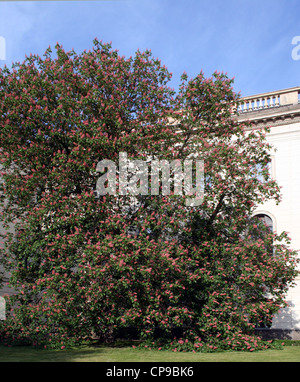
[250,40]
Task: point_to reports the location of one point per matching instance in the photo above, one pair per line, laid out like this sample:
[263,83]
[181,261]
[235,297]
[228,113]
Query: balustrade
[269,100]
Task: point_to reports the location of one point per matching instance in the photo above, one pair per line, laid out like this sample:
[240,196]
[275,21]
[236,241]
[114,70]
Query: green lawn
[289,353]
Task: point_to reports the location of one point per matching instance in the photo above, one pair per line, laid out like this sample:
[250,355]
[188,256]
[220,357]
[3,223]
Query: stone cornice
[281,115]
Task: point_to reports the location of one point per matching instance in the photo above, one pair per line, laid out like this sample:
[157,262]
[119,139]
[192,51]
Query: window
[263,322]
[266,220]
[261,220]
[260,171]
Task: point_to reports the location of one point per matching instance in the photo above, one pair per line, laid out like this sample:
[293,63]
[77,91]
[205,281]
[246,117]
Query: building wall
[280,110]
[285,169]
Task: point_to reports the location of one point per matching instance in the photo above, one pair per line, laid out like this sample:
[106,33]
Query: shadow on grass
[121,351]
[80,353]
[29,354]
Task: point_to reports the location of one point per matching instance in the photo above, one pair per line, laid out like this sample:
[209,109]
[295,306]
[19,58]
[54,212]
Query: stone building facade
[280,111]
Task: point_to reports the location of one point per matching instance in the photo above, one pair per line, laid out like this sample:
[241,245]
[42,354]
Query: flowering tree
[99,267]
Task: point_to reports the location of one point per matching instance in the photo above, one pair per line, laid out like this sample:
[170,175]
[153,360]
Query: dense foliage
[151,268]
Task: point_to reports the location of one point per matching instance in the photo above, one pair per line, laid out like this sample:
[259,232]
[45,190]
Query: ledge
[278,334]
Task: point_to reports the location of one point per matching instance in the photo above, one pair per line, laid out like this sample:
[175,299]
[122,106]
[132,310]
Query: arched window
[266,220]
